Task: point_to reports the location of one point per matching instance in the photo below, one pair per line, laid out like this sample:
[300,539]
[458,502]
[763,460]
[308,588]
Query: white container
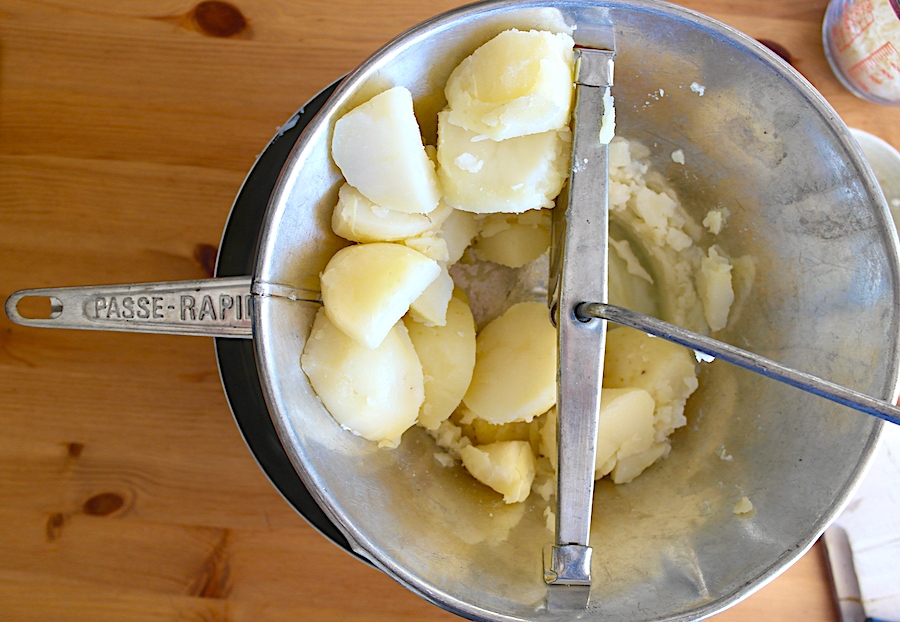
[862,43]
[885,162]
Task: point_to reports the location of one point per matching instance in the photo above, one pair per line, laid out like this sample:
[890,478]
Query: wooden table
[126,130]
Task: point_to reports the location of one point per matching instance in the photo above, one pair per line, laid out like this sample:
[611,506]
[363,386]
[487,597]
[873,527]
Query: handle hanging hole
[39,307]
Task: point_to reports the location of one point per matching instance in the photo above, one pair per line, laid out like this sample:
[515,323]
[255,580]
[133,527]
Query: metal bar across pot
[583,230]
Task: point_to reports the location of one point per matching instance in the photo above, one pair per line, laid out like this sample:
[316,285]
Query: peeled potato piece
[517,83]
[513,240]
[447,355]
[374,393]
[629,467]
[515,366]
[367,288]
[430,244]
[513,176]
[505,466]
[548,445]
[484,432]
[715,289]
[357,219]
[458,231]
[625,435]
[667,371]
[626,427]
[378,147]
[431,307]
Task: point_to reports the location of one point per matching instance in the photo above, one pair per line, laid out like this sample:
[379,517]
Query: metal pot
[804,207]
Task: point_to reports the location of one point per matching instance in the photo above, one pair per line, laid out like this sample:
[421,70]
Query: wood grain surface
[126,130]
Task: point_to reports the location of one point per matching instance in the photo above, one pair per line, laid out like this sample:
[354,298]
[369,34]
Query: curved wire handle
[742,358]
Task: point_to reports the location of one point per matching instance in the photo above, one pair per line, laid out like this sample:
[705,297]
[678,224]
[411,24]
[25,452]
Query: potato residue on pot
[396,342]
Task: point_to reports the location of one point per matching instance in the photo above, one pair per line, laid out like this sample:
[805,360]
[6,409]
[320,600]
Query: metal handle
[205,307]
[742,358]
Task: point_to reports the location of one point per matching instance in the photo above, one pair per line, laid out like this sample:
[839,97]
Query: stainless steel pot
[803,206]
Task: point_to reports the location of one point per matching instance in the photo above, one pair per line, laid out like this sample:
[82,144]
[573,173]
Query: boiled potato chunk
[629,467]
[624,436]
[505,466]
[484,432]
[374,393]
[549,443]
[517,83]
[515,366]
[458,231]
[447,356]
[357,219]
[513,176]
[626,427]
[430,244]
[667,371]
[367,288]
[743,506]
[715,288]
[431,307]
[378,147]
[513,240]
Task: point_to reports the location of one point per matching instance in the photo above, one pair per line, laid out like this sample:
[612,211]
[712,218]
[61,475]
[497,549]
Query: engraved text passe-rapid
[178,307]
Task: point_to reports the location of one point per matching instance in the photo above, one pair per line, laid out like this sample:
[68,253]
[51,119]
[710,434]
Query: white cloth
[872,523]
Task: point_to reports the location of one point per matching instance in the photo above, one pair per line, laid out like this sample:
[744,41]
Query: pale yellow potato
[646,209]
[515,366]
[545,479]
[449,436]
[518,83]
[505,466]
[743,506]
[447,356]
[357,219]
[658,210]
[549,442]
[367,288]
[513,176]
[431,307]
[667,371]
[458,231]
[378,147]
[460,293]
[513,240]
[374,393]
[625,433]
[629,467]
[715,289]
[430,244]
[482,433]
[626,427]
[715,220]
[485,433]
